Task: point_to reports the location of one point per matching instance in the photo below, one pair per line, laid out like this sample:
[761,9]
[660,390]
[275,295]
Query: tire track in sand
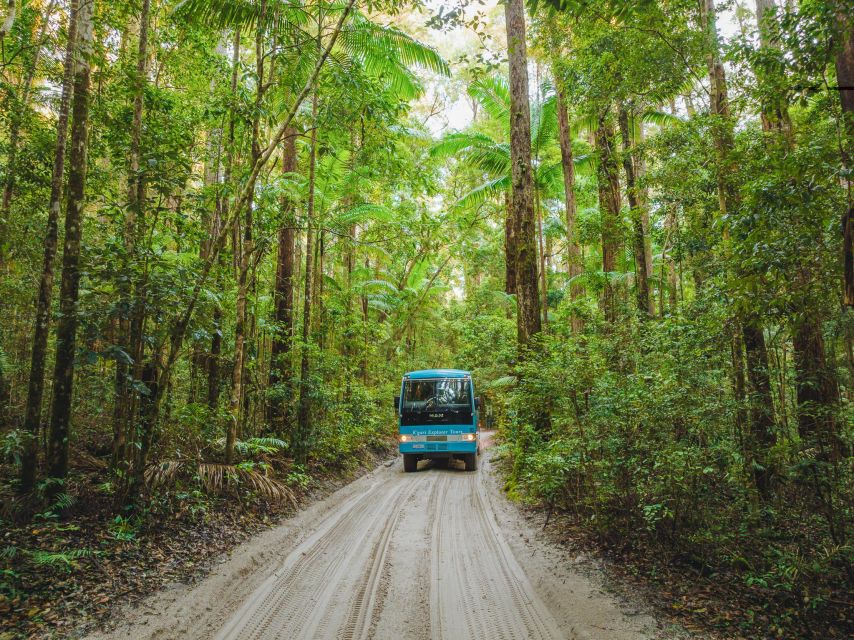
[478,588]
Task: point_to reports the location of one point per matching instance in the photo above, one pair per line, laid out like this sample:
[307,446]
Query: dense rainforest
[228,227]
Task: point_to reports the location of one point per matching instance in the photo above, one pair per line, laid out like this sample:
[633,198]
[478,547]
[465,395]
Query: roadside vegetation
[228,227]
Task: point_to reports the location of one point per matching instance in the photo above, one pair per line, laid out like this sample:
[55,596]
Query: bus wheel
[471,462]
[410,462]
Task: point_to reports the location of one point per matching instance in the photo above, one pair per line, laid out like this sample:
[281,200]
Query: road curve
[438,554]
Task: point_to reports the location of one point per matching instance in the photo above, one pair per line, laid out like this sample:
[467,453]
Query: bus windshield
[433,397]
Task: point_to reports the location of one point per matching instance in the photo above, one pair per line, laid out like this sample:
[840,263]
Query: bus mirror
[477,403]
[396,403]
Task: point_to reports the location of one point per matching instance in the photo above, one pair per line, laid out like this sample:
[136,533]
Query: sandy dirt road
[436,554]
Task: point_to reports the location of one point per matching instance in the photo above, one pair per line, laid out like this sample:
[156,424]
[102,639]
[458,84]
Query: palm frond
[660,118]
[218,478]
[493,94]
[493,160]
[550,179]
[363,213]
[228,14]
[455,143]
[586,164]
[389,53]
[484,192]
[544,125]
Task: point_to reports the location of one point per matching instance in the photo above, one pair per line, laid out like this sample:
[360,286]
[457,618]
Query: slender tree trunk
[214,366]
[639,236]
[18,107]
[35,389]
[133,310]
[544,283]
[643,205]
[9,20]
[244,250]
[522,199]
[608,177]
[845,81]
[817,389]
[760,401]
[667,258]
[283,296]
[775,108]
[304,407]
[573,251]
[66,332]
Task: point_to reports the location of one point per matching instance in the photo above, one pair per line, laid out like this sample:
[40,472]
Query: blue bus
[438,418]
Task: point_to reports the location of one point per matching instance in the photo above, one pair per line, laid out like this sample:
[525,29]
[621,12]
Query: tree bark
[35,388]
[132,308]
[300,447]
[244,250]
[510,280]
[214,365]
[18,107]
[817,389]
[283,295]
[775,107]
[608,178]
[573,251]
[761,405]
[845,82]
[760,401]
[522,199]
[66,332]
[639,235]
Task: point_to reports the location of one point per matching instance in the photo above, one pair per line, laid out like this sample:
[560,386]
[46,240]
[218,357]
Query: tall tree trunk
[244,250]
[639,235]
[9,20]
[522,199]
[216,341]
[542,250]
[667,262]
[761,405]
[845,81]
[775,107]
[573,251]
[35,388]
[18,107]
[283,295]
[608,178]
[510,280]
[133,310]
[760,401]
[643,205]
[817,389]
[66,332]
[304,408]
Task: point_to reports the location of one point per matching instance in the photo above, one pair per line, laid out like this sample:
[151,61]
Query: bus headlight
[404,438]
[470,437]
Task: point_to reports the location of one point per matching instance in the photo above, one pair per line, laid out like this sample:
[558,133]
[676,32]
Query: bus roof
[437,373]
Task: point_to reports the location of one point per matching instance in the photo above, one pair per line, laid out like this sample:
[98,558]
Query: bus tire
[471,461]
[410,463]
